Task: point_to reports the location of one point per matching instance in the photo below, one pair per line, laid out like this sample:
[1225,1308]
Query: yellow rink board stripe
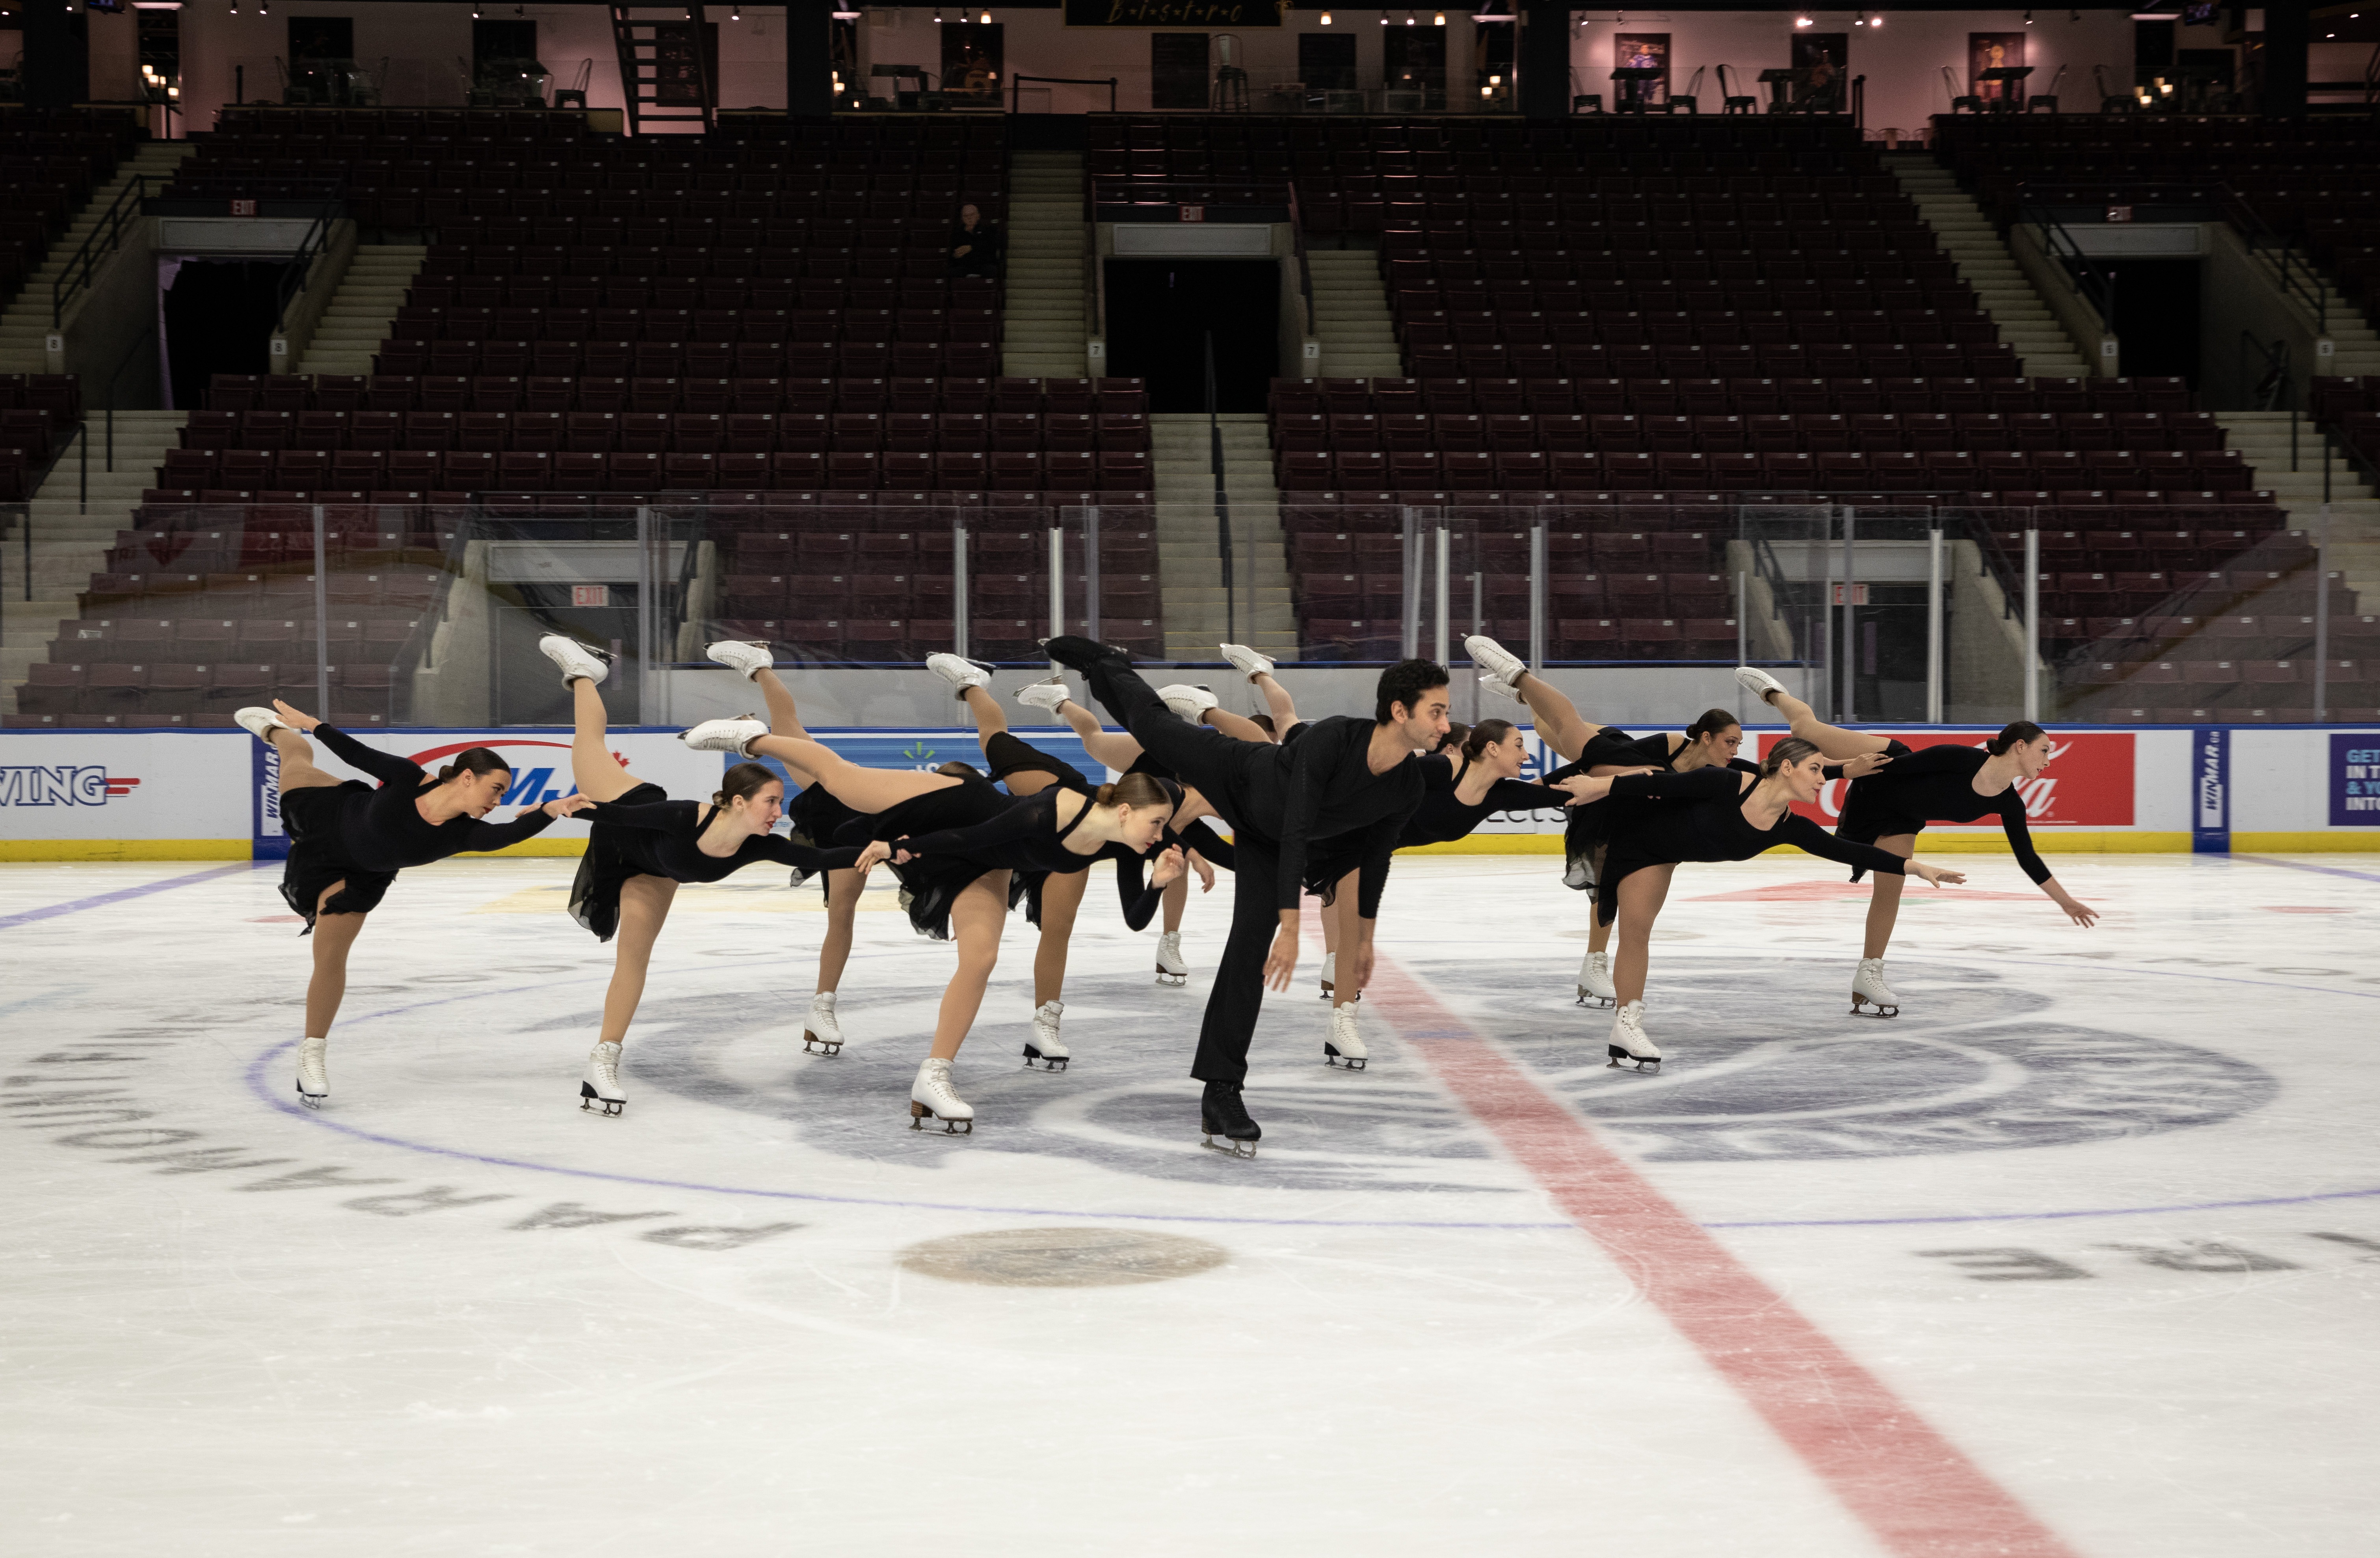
[124,849]
[1936,841]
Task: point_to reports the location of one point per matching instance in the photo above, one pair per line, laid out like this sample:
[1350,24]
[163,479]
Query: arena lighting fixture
[2157,15]
[1803,20]
[1384,18]
[1440,21]
[1875,21]
[1326,18]
[1409,18]
[985,18]
[2028,19]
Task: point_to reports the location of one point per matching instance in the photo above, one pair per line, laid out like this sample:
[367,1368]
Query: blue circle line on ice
[271,1096]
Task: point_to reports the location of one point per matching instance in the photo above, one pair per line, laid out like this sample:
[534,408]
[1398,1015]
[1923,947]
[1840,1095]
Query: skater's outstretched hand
[292,718]
[876,854]
[1363,963]
[1583,790]
[1206,872]
[1280,964]
[2076,909]
[567,805]
[1864,764]
[1169,866]
[1934,875]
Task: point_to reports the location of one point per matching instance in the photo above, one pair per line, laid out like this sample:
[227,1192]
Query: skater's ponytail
[478,761]
[1142,792]
[1486,734]
[2013,734]
[1264,723]
[1712,723]
[1786,753]
[742,783]
[957,770]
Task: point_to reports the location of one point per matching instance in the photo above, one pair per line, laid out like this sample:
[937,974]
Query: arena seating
[51,161]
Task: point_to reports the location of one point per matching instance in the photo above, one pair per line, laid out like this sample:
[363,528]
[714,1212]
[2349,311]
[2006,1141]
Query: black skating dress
[366,833]
[1934,786]
[1663,818]
[1008,754]
[1027,840]
[929,886]
[646,833]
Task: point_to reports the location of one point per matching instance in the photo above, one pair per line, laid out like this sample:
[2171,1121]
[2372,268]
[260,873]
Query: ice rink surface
[2078,1254]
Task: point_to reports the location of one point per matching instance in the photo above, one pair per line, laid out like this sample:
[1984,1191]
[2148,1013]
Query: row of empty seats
[549,394]
[661,431]
[540,470]
[2006,395]
[1974,432]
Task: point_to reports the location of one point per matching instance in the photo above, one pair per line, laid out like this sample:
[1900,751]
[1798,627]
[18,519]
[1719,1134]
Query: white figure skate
[1346,1045]
[1629,1044]
[575,658]
[1594,981]
[1045,1045]
[932,1097]
[1171,969]
[821,1032]
[600,1092]
[313,1077]
[751,658]
[1869,989]
[725,735]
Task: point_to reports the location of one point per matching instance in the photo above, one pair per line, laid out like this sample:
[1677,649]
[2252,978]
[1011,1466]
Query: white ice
[395,1327]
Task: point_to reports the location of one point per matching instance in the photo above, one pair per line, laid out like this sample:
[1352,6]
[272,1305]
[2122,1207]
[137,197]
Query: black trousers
[1220,768]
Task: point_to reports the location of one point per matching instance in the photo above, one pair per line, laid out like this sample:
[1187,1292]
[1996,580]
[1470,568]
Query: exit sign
[243,208]
[590,594]
[1193,213]
[1859,594]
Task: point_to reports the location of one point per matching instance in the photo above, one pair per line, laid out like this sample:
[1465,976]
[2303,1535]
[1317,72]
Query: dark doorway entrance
[219,319]
[2157,315]
[1161,312]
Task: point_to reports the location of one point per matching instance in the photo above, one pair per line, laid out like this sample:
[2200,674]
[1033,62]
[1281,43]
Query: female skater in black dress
[1606,751]
[1659,819]
[950,895]
[1053,898]
[348,840]
[1890,806]
[643,845]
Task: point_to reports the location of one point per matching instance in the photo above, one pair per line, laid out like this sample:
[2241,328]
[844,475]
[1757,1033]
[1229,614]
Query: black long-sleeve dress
[646,833]
[1662,819]
[364,834]
[1934,786]
[1027,840]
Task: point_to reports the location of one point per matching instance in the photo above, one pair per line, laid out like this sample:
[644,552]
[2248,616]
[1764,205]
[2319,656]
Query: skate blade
[1326,990]
[1332,1056]
[824,1046]
[1171,981]
[592,1102]
[1622,1060]
[919,1114]
[1049,1063]
[1589,999]
[1229,1148]
[1881,1009]
[311,1101]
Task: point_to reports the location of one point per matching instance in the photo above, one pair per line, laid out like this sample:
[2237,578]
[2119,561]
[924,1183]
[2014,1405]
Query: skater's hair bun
[1139,791]
[2014,733]
[1263,722]
[1457,733]
[1404,683]
[742,783]
[1790,750]
[1486,734]
[957,770]
[1712,722]
[477,762]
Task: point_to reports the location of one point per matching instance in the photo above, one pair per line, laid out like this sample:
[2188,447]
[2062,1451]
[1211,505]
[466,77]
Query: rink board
[209,794]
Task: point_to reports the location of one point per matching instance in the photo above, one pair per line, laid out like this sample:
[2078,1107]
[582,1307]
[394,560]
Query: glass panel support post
[959,590]
[322,616]
[1537,598]
[2033,625]
[1933,627]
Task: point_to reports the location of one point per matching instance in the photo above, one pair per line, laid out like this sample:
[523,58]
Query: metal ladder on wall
[664,66]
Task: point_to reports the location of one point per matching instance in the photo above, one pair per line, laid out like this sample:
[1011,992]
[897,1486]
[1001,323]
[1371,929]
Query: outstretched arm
[386,767]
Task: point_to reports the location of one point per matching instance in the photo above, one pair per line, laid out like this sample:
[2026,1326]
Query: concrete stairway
[25,324]
[1350,314]
[1971,240]
[2355,344]
[1189,557]
[360,314]
[71,539]
[2263,439]
[1042,334]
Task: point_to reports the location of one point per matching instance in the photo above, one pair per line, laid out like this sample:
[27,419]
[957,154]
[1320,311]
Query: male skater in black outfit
[1342,777]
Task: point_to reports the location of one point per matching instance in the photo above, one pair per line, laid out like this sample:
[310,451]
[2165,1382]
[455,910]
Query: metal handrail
[1017,87]
[316,240]
[1222,496]
[144,338]
[1297,248]
[2097,286]
[105,239]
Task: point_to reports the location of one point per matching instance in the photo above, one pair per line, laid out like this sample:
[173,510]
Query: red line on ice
[1912,1488]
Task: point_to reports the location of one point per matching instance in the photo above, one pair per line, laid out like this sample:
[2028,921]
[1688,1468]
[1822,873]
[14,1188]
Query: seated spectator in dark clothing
[975,244]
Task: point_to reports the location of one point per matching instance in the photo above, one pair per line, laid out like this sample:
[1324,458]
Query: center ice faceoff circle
[1767,1066]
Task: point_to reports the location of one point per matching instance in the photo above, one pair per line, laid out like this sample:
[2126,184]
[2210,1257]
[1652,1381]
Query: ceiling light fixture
[1802,20]
[1875,21]
[1409,18]
[1440,21]
[1326,18]
[2028,19]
